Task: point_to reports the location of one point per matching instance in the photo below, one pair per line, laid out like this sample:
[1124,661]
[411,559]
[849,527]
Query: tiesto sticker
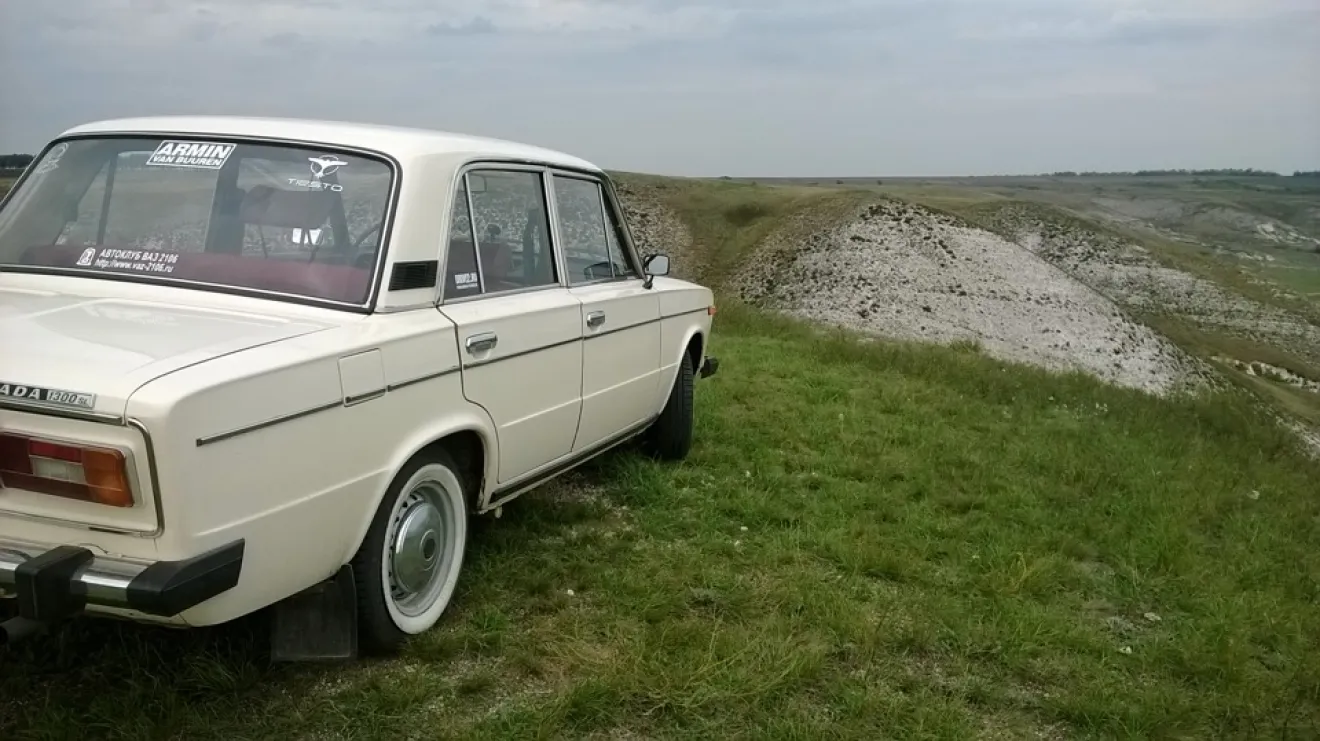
[321,167]
[203,155]
[41,395]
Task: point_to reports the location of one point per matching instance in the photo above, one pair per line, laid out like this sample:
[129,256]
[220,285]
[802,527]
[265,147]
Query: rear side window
[291,221]
[499,236]
[461,275]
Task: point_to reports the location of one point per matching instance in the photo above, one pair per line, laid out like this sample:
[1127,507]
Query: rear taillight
[85,472]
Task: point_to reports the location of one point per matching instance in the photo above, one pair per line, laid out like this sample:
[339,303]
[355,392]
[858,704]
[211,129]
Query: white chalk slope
[905,272]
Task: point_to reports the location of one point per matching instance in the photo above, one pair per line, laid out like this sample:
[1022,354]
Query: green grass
[1299,276]
[868,541]
[730,221]
[1301,404]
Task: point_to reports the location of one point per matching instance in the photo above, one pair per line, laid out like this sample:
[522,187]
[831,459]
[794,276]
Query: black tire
[383,625]
[670,437]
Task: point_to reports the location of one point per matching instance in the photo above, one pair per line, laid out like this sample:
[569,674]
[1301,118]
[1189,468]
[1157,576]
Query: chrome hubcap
[419,556]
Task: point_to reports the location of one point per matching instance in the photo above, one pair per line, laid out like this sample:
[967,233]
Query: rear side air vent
[410,275]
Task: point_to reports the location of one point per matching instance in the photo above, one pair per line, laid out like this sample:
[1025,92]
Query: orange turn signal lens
[107,477]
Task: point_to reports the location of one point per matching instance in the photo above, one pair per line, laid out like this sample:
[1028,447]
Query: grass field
[870,540]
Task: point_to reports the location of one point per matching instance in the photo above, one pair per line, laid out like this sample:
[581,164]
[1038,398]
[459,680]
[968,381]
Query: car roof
[397,141]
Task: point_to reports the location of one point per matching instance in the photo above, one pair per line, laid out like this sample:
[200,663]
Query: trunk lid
[72,352]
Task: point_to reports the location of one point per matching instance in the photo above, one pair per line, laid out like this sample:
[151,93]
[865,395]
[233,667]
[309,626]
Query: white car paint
[282,424]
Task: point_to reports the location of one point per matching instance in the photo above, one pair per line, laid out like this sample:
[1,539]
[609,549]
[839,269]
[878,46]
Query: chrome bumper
[53,583]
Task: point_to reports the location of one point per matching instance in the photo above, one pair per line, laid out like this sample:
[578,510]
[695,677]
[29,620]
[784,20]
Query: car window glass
[89,216]
[283,220]
[615,241]
[582,230]
[135,211]
[511,228]
[461,278]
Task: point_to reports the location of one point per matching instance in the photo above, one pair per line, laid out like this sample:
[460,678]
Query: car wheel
[408,565]
[670,436]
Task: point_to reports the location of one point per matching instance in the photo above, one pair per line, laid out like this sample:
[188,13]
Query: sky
[809,88]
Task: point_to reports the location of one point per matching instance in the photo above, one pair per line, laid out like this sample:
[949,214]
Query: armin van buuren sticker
[40,395]
[203,155]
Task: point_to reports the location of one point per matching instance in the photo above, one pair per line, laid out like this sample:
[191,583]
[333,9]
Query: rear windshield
[276,219]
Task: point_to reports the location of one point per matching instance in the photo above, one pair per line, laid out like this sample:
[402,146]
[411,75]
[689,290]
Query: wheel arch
[695,347]
[468,438]
[692,345]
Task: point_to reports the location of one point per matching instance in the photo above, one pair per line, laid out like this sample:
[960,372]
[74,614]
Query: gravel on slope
[656,228]
[901,271]
[1128,274]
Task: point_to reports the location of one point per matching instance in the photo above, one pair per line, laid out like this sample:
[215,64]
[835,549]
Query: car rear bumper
[710,367]
[53,583]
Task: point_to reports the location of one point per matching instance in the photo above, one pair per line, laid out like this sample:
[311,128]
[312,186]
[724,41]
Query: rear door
[620,316]
[519,329]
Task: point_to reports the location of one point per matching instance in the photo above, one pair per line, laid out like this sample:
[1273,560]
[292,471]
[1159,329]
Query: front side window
[592,248]
[614,239]
[296,221]
[504,245]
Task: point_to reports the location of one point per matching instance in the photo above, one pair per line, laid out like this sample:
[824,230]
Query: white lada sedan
[261,362]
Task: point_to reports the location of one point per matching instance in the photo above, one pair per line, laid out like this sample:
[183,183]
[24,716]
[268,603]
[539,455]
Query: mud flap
[317,624]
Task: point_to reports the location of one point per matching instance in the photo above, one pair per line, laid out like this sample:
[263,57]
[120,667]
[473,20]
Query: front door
[620,316]
[519,330]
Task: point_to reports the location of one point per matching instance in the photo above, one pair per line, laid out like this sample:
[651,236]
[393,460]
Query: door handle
[480,342]
[595,319]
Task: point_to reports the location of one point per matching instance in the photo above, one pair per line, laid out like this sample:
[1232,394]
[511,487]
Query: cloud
[477,26]
[709,86]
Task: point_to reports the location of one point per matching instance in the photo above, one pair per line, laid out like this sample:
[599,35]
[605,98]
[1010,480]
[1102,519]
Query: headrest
[267,206]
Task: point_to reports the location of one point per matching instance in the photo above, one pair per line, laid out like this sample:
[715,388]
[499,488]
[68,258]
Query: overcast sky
[709,87]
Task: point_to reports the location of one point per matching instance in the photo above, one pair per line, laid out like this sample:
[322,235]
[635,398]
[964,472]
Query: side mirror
[655,265]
